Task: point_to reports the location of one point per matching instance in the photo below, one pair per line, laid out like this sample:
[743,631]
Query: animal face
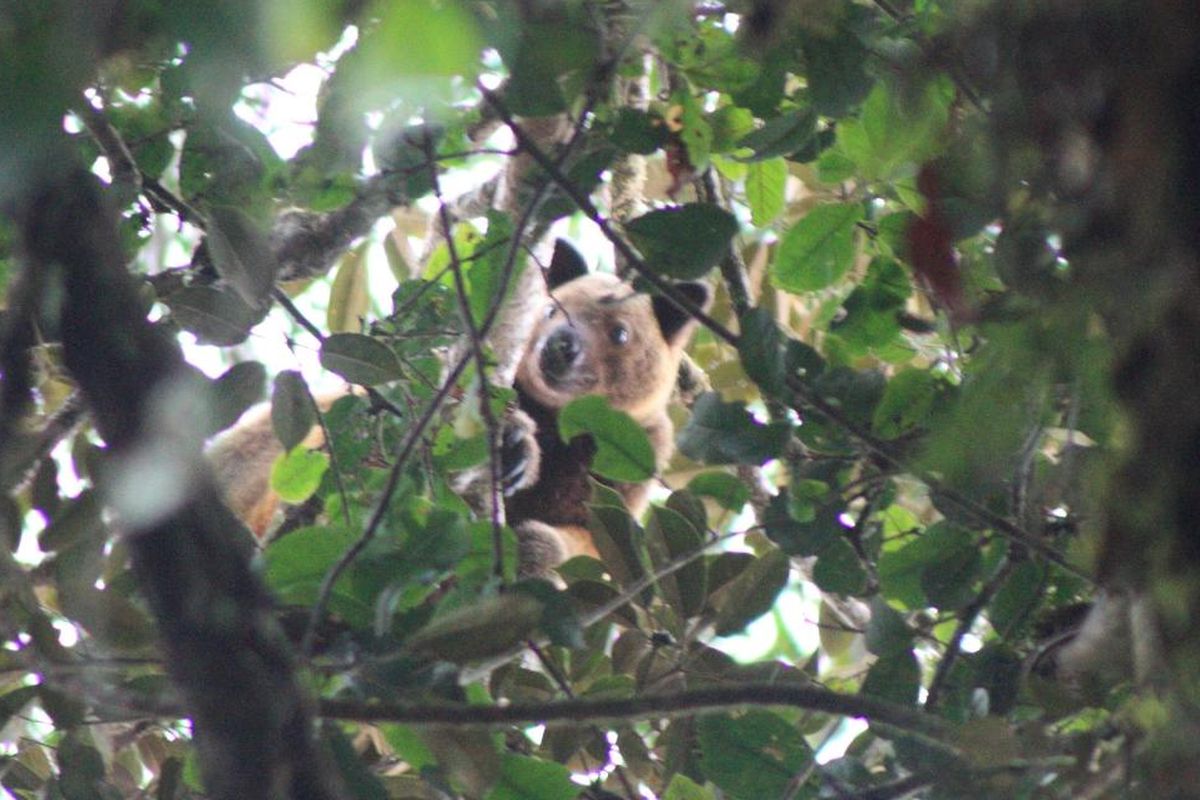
[599,336]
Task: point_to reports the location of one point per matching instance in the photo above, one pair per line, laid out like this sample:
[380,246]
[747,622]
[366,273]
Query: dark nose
[560,351]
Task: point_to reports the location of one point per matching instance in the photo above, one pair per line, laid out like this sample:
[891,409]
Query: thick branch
[253,720]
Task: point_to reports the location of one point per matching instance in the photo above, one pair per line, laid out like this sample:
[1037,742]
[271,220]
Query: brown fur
[547,499]
[635,370]
[242,458]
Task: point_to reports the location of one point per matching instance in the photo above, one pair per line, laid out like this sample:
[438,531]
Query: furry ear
[566,265]
[672,319]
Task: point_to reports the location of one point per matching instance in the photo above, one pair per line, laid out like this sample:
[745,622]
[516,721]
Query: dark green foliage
[932,237]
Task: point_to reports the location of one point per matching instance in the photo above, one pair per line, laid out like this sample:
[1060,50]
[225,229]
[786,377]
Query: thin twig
[475,343]
[966,620]
[585,204]
[371,530]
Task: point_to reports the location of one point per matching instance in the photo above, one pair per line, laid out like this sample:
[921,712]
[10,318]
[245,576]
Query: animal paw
[520,456]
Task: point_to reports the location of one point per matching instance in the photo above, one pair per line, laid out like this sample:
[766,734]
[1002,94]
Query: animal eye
[619,335]
[551,310]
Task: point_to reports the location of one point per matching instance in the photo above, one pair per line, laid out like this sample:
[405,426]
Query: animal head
[599,336]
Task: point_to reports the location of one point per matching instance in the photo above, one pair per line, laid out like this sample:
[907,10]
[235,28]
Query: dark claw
[514,458]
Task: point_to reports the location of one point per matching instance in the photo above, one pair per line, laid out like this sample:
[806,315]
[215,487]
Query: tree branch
[931,730]
[224,649]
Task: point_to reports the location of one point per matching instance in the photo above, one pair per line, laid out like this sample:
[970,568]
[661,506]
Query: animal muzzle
[561,352]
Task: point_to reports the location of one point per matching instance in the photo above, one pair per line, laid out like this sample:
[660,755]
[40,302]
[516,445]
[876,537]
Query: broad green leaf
[752,756]
[296,565]
[726,433]
[837,74]
[485,273]
[906,403]
[887,633]
[1011,609]
[839,570]
[782,135]
[683,242]
[752,593]
[802,534]
[818,250]
[730,124]
[671,536]
[242,254]
[901,571]
[682,787]
[623,451]
[360,359]
[526,778]
[896,676]
[537,86]
[215,316]
[727,490]
[760,346]
[765,184]
[636,131]
[948,580]
[297,474]
[234,391]
[696,133]
[349,296]
[486,627]
[440,39]
[292,415]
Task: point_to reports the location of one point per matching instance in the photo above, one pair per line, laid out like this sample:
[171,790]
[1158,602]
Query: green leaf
[234,391]
[730,124]
[839,570]
[765,184]
[760,346]
[669,536]
[349,296]
[696,133]
[636,131]
[296,565]
[782,135]
[623,451]
[802,537]
[729,492]
[1011,609]
[752,593]
[682,787]
[818,250]
[726,433]
[440,39]
[292,415]
[752,756]
[485,274]
[242,254]
[297,474]
[949,579]
[215,316]
[360,359]
[536,86]
[526,778]
[683,242]
[887,632]
[902,571]
[837,75]
[484,628]
[906,403]
[896,676]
